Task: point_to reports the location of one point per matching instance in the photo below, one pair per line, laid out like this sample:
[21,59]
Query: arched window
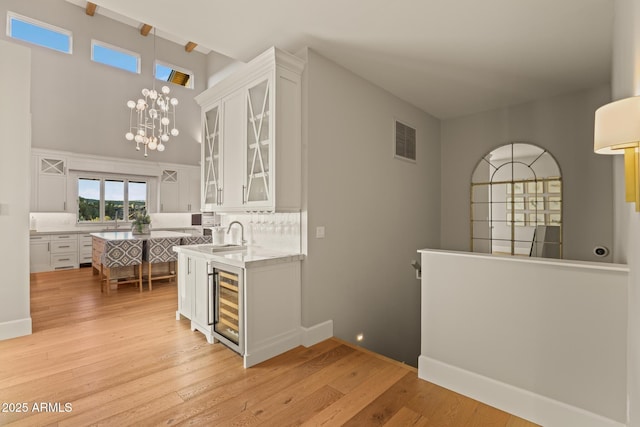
[516,202]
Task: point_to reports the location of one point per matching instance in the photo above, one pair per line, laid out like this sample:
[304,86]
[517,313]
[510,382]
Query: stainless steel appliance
[226,303]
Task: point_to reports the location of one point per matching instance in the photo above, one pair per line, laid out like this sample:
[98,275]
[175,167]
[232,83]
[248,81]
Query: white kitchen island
[268,307]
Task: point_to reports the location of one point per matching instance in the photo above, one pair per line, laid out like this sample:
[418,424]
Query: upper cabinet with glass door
[259,142]
[251,156]
[211,159]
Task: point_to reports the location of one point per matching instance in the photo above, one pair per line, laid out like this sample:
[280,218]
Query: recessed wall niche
[516,202]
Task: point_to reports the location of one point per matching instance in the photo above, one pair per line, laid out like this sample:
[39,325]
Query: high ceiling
[447,57]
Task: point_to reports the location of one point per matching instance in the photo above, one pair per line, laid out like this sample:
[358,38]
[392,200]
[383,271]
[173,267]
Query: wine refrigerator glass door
[228,318]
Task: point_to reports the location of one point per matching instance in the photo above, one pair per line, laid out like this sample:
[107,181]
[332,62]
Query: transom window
[173,74]
[107,199]
[114,56]
[39,33]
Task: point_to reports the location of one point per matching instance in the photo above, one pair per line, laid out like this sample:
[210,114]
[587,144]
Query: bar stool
[160,250]
[120,253]
[197,240]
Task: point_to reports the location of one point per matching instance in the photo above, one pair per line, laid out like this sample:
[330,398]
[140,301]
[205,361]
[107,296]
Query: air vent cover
[405,141]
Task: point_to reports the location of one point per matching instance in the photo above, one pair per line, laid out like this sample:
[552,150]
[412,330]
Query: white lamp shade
[617,126]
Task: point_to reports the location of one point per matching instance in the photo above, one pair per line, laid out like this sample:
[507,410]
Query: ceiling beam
[91,8]
[146,28]
[190,46]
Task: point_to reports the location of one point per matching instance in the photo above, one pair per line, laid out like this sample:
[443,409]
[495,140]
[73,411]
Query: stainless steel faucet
[242,241]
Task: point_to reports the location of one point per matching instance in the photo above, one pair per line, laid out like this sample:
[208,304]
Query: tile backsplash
[279,231]
[64,221]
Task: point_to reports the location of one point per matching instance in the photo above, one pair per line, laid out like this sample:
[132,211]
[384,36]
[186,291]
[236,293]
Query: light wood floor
[125,360]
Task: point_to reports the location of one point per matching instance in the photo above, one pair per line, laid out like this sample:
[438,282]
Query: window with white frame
[39,33]
[114,56]
[107,198]
[173,74]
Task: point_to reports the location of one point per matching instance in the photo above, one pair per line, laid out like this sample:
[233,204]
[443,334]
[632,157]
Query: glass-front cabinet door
[212,188]
[258,178]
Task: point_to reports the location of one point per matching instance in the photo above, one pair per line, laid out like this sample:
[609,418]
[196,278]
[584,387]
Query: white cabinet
[202,319]
[51,188]
[251,156]
[180,190]
[267,308]
[211,158]
[50,252]
[193,293]
[272,311]
[64,251]
[186,283]
[190,191]
[232,152]
[85,248]
[169,191]
[39,253]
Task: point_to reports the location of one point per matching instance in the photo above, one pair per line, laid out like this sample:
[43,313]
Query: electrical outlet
[320,232]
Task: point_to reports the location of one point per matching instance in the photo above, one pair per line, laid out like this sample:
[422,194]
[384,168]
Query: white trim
[40,24]
[108,46]
[622,268]
[75,176]
[272,347]
[522,403]
[317,333]
[15,328]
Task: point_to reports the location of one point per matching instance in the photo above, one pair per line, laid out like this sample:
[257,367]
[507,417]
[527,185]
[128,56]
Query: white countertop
[89,229]
[252,256]
[125,235]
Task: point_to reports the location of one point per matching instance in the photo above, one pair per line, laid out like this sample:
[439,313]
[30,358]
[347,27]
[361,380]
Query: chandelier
[155,116]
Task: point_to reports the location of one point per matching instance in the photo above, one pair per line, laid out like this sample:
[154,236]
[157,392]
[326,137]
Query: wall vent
[405,141]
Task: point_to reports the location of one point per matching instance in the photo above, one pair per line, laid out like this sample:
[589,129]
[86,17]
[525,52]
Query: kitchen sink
[224,247]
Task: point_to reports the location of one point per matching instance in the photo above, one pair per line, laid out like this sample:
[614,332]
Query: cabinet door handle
[243,201]
[49,247]
[188,265]
[216,314]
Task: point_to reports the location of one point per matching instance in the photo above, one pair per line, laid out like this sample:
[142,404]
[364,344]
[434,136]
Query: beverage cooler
[226,313]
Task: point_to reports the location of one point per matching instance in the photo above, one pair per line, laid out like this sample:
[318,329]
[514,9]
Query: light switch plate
[320,232]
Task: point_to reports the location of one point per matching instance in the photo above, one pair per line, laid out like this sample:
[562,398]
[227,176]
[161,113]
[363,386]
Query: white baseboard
[317,333]
[285,342]
[15,328]
[522,403]
[272,347]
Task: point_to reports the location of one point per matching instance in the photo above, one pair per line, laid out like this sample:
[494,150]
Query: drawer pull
[64,259]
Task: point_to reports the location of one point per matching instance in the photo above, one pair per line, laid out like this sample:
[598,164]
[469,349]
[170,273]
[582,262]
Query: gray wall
[625,82]
[564,126]
[80,106]
[15,319]
[377,210]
